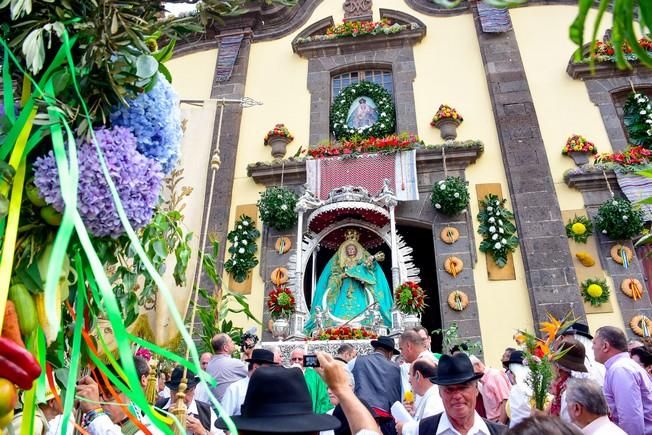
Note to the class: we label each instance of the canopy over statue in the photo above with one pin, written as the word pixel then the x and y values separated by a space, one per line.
pixel 351 281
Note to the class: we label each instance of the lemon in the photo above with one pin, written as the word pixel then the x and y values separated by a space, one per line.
pixel 594 290
pixel 578 228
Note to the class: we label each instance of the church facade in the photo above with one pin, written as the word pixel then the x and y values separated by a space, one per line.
pixel 509 73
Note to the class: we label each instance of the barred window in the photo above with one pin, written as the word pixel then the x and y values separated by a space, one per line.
pixel 380 77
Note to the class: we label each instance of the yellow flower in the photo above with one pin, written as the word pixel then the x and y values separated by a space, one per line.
pixel 408 397
pixel 578 228
pixel 594 290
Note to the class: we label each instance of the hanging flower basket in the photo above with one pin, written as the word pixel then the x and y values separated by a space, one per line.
pixel 618 219
pixel 277 208
pixel 450 196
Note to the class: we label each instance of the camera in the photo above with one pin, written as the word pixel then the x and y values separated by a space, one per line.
pixel 310 361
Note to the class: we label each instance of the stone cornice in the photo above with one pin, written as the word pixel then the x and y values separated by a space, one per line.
pixel 603 70
pixel 590 180
pixel 459 155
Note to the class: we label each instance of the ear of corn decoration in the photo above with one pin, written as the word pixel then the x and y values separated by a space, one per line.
pixel 585 258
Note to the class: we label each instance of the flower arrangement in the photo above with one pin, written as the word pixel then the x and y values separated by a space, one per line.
pixel 579 229
pixel 137 178
pixel 281 303
pixel 450 196
pixel 579 144
pixel 446 112
pixel 633 156
pixel 155 120
pixel 619 219
pixel 409 298
pixel 497 229
pixel 356 146
pixel 638 119
pixel 346 333
pixel 605 51
pixel 384 111
pixel 358 28
pixel 539 357
pixel 243 248
pixel 595 291
pixel 279 130
pixel 277 207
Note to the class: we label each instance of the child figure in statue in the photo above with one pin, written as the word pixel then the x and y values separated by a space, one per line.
pixel 351 281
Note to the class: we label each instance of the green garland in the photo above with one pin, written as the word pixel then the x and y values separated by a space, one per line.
pixel 618 219
pixel 497 229
pixel 637 113
pixel 579 229
pixel 340 110
pixel 450 196
pixel 243 248
pixel 595 300
pixel 277 208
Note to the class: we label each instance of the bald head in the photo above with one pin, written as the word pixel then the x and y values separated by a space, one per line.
pixel 411 345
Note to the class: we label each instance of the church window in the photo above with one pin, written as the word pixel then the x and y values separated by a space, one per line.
pixel 380 77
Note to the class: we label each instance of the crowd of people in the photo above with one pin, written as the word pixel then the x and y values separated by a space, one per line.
pixel 602 385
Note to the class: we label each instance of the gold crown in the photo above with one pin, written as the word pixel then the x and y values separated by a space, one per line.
pixel 352 235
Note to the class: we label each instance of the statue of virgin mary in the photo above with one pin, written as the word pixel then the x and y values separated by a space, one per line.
pixel 351 281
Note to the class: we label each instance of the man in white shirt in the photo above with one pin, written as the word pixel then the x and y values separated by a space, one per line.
pixel 587 408
pixel 428 401
pixel 413 347
pixel 235 394
pixel 458 387
pixel 201 391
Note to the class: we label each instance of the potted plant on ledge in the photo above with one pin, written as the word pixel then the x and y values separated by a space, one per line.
pixel 579 149
pixel 409 298
pixel 446 120
pixel 278 138
pixel 281 305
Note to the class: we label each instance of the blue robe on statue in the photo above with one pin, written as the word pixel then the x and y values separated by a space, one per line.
pixel 347 286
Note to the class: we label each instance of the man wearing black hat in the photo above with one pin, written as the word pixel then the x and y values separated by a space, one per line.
pixel 458 387
pixel 378 381
pixel 234 395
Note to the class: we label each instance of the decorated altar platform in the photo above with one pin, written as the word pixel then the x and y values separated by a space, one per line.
pixel 363 347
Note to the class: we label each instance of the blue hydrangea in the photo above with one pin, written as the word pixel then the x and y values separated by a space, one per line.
pixel 155 120
pixel 137 179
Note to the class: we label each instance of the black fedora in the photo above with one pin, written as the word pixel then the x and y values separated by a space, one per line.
pixel 386 343
pixel 261 356
pixel 278 401
pixel 578 329
pixel 175 379
pixel 455 370
pixel 516 357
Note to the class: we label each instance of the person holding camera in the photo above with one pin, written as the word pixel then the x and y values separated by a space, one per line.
pixel 318 389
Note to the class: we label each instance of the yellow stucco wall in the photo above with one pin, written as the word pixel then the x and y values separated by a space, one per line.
pixel 562 104
pixel 288 101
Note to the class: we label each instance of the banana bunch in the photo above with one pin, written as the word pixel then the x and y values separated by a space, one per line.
pixel 585 258
pixel 51 326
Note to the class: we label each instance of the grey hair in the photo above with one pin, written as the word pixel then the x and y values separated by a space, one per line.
pixel 219 342
pixel 587 393
pixel 614 336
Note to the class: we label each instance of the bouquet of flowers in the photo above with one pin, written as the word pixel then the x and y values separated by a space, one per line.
pixel 618 219
pixel 450 196
pixel 276 206
pixel 410 298
pixel 539 356
pixel 346 333
pixel 446 112
pixel 281 303
pixel 279 130
pixel 577 143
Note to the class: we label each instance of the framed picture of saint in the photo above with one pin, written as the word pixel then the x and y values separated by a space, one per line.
pixel 363 113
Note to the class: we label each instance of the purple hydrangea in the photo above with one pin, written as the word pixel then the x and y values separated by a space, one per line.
pixel 137 179
pixel 155 120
